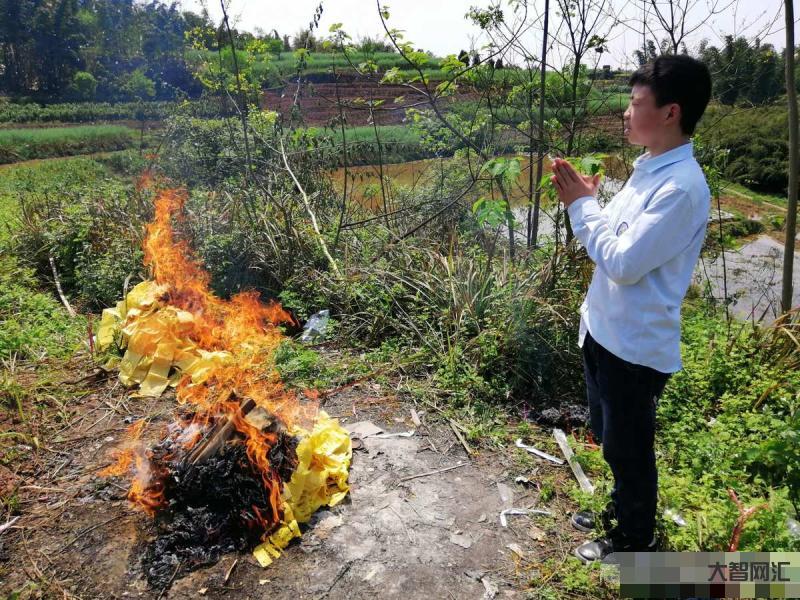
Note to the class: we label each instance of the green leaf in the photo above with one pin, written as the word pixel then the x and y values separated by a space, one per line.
pixel 392 75
pixel 490 212
pixel 507 169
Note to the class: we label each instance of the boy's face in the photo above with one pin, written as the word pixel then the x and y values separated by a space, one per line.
pixel 646 123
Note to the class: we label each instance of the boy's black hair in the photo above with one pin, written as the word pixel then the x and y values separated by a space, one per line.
pixel 681 79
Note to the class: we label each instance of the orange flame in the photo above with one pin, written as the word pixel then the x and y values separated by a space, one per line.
pixel 243 326
pixel 147 489
pixel 123 458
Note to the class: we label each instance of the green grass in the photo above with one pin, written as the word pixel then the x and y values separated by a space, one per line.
pixel 12 113
pixel 33 323
pixel 398 143
pixel 26 144
pixel 46 179
pixel 604 103
pixel 731 187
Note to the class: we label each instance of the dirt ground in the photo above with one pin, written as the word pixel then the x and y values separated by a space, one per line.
pixel 434 535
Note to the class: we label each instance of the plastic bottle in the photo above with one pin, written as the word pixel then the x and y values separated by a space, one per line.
pixel 315 327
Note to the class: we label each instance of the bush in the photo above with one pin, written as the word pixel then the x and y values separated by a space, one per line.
pixel 728 420
pixel 203 151
pixel 88 221
pixel 757 141
pixel 86 112
pixel 83 86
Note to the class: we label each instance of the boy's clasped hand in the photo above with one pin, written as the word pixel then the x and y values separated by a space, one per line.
pixel 570 184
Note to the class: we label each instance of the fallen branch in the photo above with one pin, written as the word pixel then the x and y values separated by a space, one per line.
pixel 60 291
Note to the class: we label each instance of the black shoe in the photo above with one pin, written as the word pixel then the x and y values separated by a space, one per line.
pixel 584 520
pixel 601 549
pixel 587 521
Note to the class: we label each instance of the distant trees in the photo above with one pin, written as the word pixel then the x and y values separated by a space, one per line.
pixel 67 49
pixel 646 55
pixel 305 39
pixel 741 70
pixel 92 49
pixel 744 71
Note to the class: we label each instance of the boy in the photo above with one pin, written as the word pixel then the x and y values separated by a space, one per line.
pixel 645 243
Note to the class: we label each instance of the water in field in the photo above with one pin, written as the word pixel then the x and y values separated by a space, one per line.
pixel 363 182
pixel 363 188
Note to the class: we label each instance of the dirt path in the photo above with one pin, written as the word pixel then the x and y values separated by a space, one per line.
pixel 433 536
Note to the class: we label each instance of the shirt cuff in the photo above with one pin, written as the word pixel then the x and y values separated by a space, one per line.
pixel 583 206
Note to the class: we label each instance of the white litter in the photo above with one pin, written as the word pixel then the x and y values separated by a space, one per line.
pixel 521 511
pixel 394 435
pixel 676 517
pixel 583 480
pixel 539 453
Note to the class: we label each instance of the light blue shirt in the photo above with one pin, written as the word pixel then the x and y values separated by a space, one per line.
pixel 645 244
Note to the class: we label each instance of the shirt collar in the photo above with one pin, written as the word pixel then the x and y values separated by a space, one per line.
pixel 650 164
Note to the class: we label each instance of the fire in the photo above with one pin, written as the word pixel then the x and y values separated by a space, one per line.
pixel 147 488
pixel 124 456
pixel 244 328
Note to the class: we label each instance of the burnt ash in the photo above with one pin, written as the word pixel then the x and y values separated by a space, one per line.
pixel 211 509
pixel 566 415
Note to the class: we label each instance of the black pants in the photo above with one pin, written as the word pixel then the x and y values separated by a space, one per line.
pixel 622 409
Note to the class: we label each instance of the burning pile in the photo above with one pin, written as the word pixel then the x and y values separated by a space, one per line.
pixel 246 460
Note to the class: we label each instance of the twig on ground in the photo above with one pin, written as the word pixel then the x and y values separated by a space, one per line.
pixel 171 579
pixel 410 477
pixel 460 437
pixel 88 529
pixel 342 572
pixel 8 524
pixel 230 570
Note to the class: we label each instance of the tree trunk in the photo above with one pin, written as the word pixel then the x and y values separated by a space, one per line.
pixel 791 214
pixel 540 154
pixel 528 227
pixel 571 134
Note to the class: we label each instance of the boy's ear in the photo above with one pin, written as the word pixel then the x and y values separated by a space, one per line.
pixel 674 112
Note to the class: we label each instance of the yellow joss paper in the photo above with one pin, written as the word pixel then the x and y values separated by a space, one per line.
pixel 320 479
pixel 153 335
pixel 145 295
